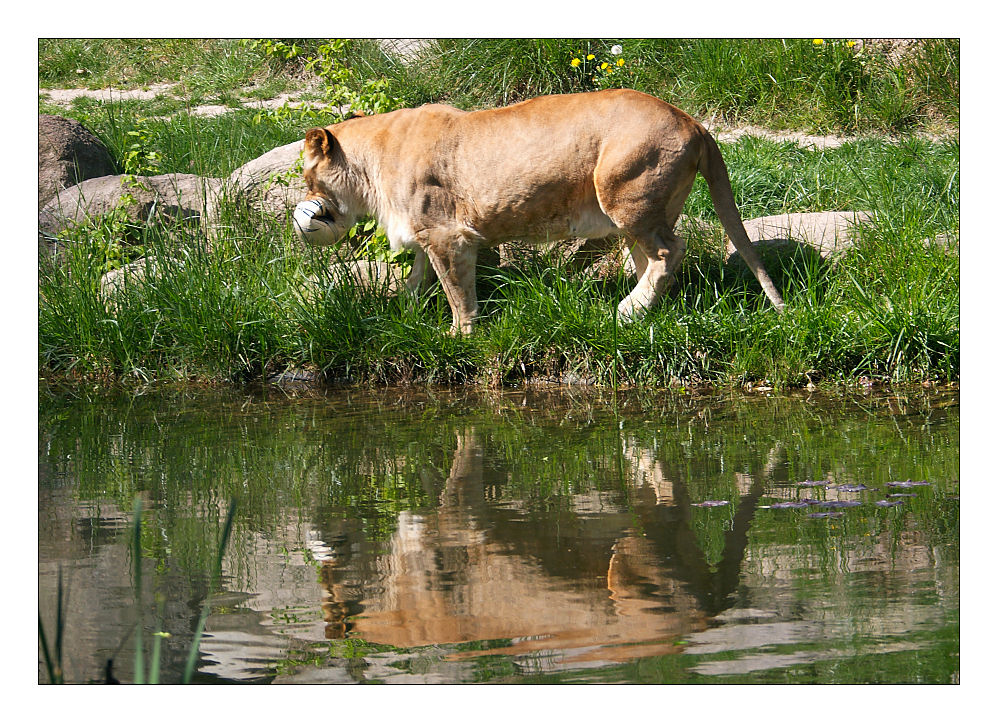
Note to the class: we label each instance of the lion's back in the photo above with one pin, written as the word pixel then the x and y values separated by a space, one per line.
pixel 529 165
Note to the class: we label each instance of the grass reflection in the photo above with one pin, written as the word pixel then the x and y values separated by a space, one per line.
pixel 483 536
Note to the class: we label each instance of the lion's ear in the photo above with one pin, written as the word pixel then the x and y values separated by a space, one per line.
pixel 319 141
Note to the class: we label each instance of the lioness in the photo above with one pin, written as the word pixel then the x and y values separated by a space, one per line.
pixel 445 182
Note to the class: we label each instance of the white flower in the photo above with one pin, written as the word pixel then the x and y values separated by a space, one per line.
pixel 616 50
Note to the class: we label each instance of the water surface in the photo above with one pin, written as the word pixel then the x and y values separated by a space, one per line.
pixel 433 536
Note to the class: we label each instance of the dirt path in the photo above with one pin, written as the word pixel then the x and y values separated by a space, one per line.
pixel 804 140
pixel 64 98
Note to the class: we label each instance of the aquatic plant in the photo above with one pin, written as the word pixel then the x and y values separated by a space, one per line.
pixel 216 574
pixel 53 656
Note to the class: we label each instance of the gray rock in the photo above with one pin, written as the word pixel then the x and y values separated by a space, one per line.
pixel 114 283
pixel 948 243
pixel 407 50
pixel 371 274
pixel 797 239
pixel 573 254
pixel 827 232
pixel 67 154
pixel 294 377
pixel 362 272
pixel 173 195
pixel 271 184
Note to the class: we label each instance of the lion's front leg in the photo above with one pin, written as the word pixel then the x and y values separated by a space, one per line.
pixel 421 275
pixel 453 257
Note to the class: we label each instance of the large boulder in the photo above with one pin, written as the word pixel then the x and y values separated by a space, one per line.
pixel 271 184
pixel 274 181
pixel 797 240
pixel 143 198
pixel 67 154
pixel 827 232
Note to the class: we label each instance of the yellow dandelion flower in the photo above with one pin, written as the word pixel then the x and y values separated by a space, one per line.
pixel 817 41
pixel 590 57
pixel 609 71
pixel 850 43
pixel 604 66
pixel 621 62
pixel 575 62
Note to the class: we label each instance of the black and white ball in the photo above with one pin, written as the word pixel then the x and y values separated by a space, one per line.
pixel 312 225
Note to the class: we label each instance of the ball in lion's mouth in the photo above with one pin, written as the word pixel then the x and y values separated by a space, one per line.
pixel 310 223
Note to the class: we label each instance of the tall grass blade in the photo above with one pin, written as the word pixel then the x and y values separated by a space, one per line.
pixel 59 623
pixel 157 640
pixel 45 649
pixel 216 574
pixel 616 352
pixel 50 667
pixel 139 674
pixel 53 660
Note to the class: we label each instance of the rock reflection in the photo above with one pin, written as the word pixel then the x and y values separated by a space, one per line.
pixel 624 568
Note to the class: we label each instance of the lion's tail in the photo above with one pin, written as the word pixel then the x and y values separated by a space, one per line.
pixel 712 168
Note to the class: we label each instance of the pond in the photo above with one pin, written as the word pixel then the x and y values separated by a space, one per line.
pixel 435 536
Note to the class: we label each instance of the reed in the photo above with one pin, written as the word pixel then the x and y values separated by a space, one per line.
pixel 52 656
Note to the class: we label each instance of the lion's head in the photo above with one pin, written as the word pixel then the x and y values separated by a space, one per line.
pixel 329 208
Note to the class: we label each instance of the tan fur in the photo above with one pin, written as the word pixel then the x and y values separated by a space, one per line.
pixel 445 183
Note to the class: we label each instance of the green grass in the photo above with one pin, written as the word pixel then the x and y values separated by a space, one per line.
pixel 235 309
pixel 778 83
pixel 207 70
pixel 889 309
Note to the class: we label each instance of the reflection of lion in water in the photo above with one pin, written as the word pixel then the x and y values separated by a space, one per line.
pixel 465 571
pixel 445 183
pixel 469 568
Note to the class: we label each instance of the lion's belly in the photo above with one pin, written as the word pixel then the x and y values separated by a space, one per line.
pixel 535 213
pixel 587 223
pixel 544 219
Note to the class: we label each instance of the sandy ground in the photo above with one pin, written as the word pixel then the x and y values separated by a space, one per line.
pixel 65 96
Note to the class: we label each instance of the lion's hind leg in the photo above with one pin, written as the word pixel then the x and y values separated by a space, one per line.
pixel 664 251
pixel 643 191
